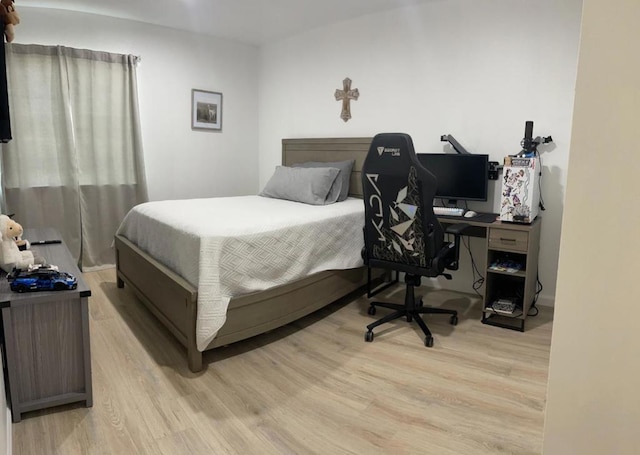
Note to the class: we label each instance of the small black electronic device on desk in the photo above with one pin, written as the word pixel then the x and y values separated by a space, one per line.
pixel 26 246
pixel 45 242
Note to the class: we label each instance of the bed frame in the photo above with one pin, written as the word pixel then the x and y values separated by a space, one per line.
pixel 174 301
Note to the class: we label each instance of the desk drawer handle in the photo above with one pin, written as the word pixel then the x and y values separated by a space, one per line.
pixel 502 239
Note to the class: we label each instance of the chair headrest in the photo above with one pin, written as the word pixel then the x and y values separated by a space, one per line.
pixel 390 152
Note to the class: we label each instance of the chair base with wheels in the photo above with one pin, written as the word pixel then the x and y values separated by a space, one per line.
pixel 411 310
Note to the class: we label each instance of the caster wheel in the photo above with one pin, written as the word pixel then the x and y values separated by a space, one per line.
pixel 428 342
pixel 420 304
pixel 409 318
pixel 368 336
pixel 371 310
pixel 454 320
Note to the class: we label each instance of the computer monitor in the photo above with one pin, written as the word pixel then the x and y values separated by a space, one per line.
pixel 460 177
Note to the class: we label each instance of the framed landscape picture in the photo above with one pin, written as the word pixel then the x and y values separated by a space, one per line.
pixel 206 110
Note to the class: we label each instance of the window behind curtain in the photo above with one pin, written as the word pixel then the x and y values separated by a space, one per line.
pixel 76 161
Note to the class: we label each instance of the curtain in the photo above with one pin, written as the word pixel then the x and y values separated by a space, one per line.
pixel 75 162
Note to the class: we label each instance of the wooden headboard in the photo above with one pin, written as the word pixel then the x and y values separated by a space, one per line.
pixel 329 149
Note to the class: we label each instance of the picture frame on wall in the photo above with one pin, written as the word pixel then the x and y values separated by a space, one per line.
pixel 206 110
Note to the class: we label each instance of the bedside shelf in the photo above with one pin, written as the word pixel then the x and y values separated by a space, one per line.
pixel 514 245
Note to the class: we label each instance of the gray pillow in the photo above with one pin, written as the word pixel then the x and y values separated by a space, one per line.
pixel 343 180
pixel 308 185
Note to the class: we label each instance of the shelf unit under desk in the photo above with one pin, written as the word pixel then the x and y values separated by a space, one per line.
pixel 513 241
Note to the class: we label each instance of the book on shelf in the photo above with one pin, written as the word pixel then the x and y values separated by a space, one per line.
pixel 504 306
pixel 506 266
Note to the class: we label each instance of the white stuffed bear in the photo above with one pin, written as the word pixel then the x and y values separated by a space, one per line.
pixel 10 254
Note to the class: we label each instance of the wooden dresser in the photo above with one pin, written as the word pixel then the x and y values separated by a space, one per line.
pixel 46 337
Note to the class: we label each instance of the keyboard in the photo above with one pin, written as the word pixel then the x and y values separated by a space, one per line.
pixel 448 211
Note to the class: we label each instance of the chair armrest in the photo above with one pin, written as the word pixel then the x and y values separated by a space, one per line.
pixel 456 229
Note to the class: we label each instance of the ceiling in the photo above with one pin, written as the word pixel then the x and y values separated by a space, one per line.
pixel 250 21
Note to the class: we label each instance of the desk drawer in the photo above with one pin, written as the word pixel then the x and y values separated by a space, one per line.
pixel 508 239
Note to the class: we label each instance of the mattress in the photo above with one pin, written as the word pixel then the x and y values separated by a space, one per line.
pixel 231 246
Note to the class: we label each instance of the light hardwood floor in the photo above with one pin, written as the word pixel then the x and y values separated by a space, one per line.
pixel 313 387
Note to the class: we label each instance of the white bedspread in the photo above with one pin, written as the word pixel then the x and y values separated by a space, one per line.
pixel 231 246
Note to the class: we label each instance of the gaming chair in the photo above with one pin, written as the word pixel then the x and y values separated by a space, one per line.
pixel 401 232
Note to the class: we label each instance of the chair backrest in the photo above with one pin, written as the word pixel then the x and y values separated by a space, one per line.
pixel 401 231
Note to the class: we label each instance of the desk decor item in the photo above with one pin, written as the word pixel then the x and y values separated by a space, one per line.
pixel 521 187
pixel 41 277
pixel 10 19
pixel 11 242
pixel 346 95
pixel 206 110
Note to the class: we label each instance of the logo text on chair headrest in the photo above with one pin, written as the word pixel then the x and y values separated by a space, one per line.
pixel 393 150
pixel 375 203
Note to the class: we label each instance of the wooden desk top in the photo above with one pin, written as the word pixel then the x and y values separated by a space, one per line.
pixel 495 224
pixel 56 254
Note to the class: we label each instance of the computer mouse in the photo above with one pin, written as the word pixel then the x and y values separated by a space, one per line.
pixel 470 214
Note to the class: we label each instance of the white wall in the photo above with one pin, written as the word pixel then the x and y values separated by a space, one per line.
pixel 593 404
pixel 476 70
pixel 180 163
pixel 5 418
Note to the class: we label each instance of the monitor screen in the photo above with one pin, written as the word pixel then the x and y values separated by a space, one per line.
pixel 464 177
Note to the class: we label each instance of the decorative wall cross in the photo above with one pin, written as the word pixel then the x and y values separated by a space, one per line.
pixel 346 95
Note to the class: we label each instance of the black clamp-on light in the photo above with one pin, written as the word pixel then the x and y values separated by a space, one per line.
pixel 529 144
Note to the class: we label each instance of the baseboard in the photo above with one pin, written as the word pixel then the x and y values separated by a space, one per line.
pixel 545 301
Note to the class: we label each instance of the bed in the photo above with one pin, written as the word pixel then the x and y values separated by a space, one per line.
pixel 174 300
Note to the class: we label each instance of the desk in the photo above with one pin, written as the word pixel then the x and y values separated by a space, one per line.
pixel 46 337
pixel 506 241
